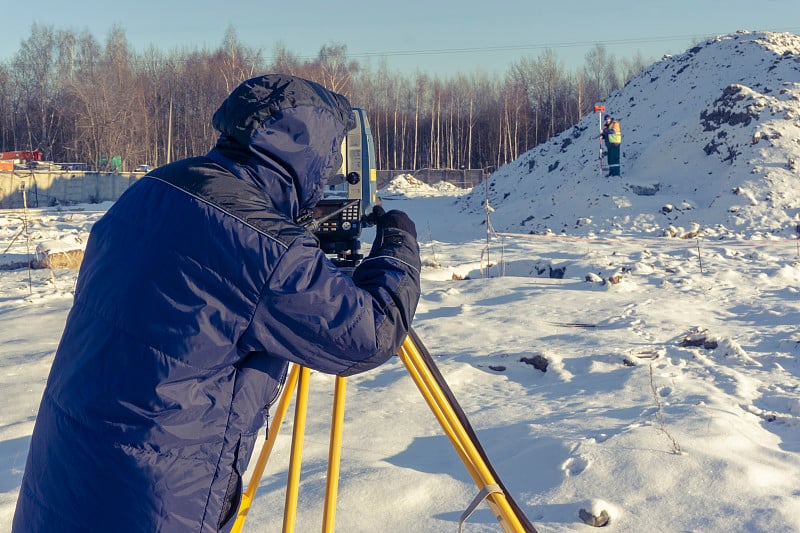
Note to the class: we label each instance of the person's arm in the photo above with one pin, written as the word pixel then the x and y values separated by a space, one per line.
pixel 391 275
pixel 314 315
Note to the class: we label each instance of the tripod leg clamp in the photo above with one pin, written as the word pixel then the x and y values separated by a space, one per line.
pixel 493 488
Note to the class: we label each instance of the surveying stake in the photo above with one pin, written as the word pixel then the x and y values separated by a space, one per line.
pixel 445 408
pixel 600 109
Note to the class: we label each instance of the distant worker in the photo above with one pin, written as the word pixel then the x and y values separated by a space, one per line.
pixel 613 138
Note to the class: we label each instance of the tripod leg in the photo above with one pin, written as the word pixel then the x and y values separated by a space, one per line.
pixel 334 455
pixel 293 484
pixel 266 450
pixel 445 407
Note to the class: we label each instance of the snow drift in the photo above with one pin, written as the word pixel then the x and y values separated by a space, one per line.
pixel 710 140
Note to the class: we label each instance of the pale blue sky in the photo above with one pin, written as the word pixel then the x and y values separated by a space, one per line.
pixel 441 37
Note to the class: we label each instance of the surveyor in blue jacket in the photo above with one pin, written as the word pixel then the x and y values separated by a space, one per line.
pixel 197 289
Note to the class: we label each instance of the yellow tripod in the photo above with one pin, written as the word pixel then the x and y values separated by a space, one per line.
pixel 445 408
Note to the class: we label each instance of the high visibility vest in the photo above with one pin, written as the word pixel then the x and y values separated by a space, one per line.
pixel 614 133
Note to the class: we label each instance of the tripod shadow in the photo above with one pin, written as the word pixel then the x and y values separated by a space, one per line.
pixel 526 464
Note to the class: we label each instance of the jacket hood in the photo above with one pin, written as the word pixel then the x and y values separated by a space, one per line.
pixel 284 133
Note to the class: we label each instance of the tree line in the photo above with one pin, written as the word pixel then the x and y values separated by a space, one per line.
pixel 79 100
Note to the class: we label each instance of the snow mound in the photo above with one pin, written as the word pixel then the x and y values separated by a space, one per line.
pixel 708 142
pixel 407 186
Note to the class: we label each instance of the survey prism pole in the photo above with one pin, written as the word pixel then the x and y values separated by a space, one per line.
pixel 599 109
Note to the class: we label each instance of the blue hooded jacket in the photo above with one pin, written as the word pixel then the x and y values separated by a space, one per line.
pixel 196 291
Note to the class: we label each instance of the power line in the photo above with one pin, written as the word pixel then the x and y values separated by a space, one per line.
pixel 535 46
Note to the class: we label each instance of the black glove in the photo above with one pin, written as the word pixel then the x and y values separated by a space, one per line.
pixel 393 219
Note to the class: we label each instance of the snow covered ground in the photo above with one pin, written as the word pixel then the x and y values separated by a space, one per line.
pixel 671 395
pixel 670 398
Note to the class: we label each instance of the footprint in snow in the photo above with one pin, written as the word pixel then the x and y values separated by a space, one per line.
pixel 575 466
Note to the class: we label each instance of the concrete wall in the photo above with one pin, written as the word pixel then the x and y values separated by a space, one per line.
pixel 43 189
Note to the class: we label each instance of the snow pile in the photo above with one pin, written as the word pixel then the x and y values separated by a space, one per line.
pixel 709 140
pixel 407 186
pixel 35 236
